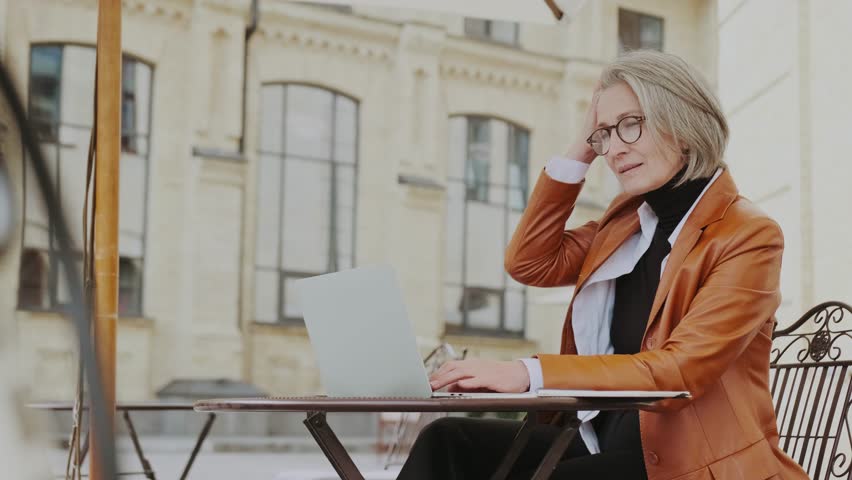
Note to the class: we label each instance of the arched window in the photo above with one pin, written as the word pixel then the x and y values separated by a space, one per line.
pixel 486 193
pixel 306 189
pixel 61 106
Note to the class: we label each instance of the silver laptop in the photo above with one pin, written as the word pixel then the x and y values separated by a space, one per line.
pixel 363 339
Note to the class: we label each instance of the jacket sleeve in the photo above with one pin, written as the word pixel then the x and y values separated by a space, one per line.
pixel 739 296
pixel 542 253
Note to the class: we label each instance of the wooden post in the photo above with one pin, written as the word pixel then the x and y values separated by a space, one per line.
pixel 557 12
pixel 106 215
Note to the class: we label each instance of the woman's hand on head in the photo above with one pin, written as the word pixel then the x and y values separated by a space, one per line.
pixel 479 375
pixel 581 150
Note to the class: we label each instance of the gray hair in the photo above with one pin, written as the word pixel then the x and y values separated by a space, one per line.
pixel 678 102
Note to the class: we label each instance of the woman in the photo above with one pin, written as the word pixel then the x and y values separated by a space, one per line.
pixel 676 289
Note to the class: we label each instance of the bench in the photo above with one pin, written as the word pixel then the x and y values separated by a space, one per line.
pixel 810 384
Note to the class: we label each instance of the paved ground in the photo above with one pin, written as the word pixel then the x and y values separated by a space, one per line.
pixel 168 456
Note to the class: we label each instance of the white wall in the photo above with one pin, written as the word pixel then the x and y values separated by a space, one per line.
pixel 830 101
pixel 781 81
pixel 759 87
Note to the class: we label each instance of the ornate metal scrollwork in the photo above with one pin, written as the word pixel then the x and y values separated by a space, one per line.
pixel 811 363
pixel 819 345
pixel 815 337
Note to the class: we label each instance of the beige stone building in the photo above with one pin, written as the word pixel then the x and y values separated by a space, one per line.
pixel 376 136
pixel 783 90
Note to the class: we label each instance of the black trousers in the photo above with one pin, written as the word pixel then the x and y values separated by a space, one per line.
pixel 455 448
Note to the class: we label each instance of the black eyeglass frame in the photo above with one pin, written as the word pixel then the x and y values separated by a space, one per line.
pixel 640 119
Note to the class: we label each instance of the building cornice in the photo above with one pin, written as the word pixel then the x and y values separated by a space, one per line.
pixel 313 28
pixel 172 11
pixel 501 66
pixel 310 39
pixel 175 10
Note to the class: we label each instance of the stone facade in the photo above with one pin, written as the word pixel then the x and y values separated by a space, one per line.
pixel 409 72
pixel 782 92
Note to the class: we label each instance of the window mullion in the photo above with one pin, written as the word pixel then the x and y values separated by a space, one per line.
pixel 279 305
pixel 464 319
pixel 51 230
pixel 507 194
pixel 332 234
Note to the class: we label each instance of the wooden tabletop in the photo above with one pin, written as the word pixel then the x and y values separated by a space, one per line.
pixel 152 405
pixel 360 404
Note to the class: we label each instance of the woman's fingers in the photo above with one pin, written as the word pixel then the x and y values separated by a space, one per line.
pixel 592 113
pixel 456 365
pixel 474 383
pixel 439 381
pixel 445 369
pixel 453 371
pixel 483 375
pixel 580 149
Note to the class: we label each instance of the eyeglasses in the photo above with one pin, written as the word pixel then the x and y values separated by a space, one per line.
pixel 628 129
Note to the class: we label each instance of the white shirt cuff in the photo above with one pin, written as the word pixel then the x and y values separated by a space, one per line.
pixel 566 170
pixel 534 369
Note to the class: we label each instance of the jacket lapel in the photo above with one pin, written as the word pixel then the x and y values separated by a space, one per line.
pixel 619 222
pixel 709 209
pixel 614 235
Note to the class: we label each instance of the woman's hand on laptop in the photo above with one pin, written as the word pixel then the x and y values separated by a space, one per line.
pixel 477 375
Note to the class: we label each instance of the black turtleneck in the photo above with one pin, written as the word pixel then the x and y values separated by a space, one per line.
pixel 634 291
pixel 634 296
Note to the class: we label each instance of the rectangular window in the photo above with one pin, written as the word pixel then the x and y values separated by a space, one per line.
pixel 128 106
pixel 45 75
pixel 483 208
pixel 129 287
pixel 493 30
pixel 519 146
pixel 61 106
pixel 639 31
pixel 33 279
pixel 478 158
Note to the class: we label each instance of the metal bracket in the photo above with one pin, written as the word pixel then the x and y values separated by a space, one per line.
pixel 331 447
pixel 557 449
pixel 518 444
pixel 201 436
pixel 146 466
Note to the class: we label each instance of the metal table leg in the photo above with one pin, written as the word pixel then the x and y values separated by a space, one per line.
pixel 557 449
pixel 201 436
pixel 85 450
pixel 331 447
pixel 518 444
pixel 146 466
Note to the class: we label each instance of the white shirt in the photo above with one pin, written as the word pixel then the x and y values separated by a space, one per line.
pixel 593 304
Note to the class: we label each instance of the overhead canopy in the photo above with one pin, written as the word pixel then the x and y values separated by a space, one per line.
pixel 538 11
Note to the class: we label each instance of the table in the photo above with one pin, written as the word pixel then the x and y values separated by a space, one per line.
pixel 316 408
pixel 125 408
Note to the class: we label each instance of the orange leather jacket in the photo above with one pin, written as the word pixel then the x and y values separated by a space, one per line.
pixel 709 332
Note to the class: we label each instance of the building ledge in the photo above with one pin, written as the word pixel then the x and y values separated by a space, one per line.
pixel 419 181
pixel 218 154
pixel 279 329
pixel 496 341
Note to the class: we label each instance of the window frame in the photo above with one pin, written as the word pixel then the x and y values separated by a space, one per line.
pixel 464 328
pixel 283 274
pixel 489 35
pixel 50 253
pixel 622 12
